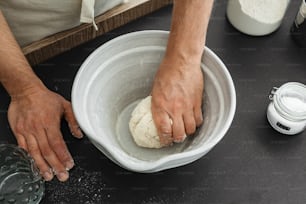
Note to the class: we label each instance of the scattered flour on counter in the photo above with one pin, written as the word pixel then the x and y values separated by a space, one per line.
pixel 81 187
pixel 266 11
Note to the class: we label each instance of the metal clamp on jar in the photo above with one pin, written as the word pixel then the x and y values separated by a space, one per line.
pixel 287 110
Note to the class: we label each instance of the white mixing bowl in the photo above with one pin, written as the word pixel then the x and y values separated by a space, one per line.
pixel 117 75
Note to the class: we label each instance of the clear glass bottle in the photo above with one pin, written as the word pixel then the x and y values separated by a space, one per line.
pixel 20 181
pixel 298 28
pixel 287 109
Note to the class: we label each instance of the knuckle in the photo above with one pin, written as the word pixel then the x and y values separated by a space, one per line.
pixel 56 143
pixel 63 154
pixel 165 129
pixel 178 105
pixel 19 127
pixel 43 168
pixel 34 151
pixel 163 124
pixel 60 149
pixel 46 152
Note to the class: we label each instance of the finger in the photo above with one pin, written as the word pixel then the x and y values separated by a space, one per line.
pixel 49 155
pixel 21 141
pixel 18 129
pixel 189 122
pixel 198 115
pixel 58 145
pixel 164 127
pixel 178 129
pixel 34 151
pixel 72 122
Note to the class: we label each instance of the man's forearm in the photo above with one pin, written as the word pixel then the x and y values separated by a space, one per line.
pixel 16 74
pixel 188 29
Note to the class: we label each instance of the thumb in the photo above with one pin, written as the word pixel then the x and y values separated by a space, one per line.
pixel 72 122
pixel 164 127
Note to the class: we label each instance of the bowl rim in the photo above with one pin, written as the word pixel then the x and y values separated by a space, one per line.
pixel 159 164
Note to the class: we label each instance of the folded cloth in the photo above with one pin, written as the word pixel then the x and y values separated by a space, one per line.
pixel 32 20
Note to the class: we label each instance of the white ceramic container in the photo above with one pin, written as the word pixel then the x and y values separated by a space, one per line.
pixel 248 24
pixel 117 75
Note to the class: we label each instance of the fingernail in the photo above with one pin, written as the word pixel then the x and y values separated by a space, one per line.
pixel 63 176
pixel 80 133
pixel 180 140
pixel 48 176
pixel 69 165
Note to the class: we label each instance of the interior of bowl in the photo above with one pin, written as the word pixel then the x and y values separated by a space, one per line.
pixel 115 78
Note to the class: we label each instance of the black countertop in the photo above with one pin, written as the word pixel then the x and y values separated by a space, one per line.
pixel 252 164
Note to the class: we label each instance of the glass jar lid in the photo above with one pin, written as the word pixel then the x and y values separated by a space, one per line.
pixel 290 100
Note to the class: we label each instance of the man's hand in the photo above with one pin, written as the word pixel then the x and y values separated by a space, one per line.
pixel 178 85
pixel 177 100
pixel 35 120
pixel 35 112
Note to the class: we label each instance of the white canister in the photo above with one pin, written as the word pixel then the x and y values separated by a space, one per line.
pixel 287 110
pixel 256 18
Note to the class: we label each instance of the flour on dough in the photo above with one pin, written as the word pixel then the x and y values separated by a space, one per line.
pixel 142 125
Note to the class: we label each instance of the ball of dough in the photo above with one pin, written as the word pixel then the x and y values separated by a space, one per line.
pixel 142 125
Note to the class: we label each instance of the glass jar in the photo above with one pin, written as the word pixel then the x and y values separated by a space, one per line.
pixel 20 180
pixel 287 110
pixel 298 28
